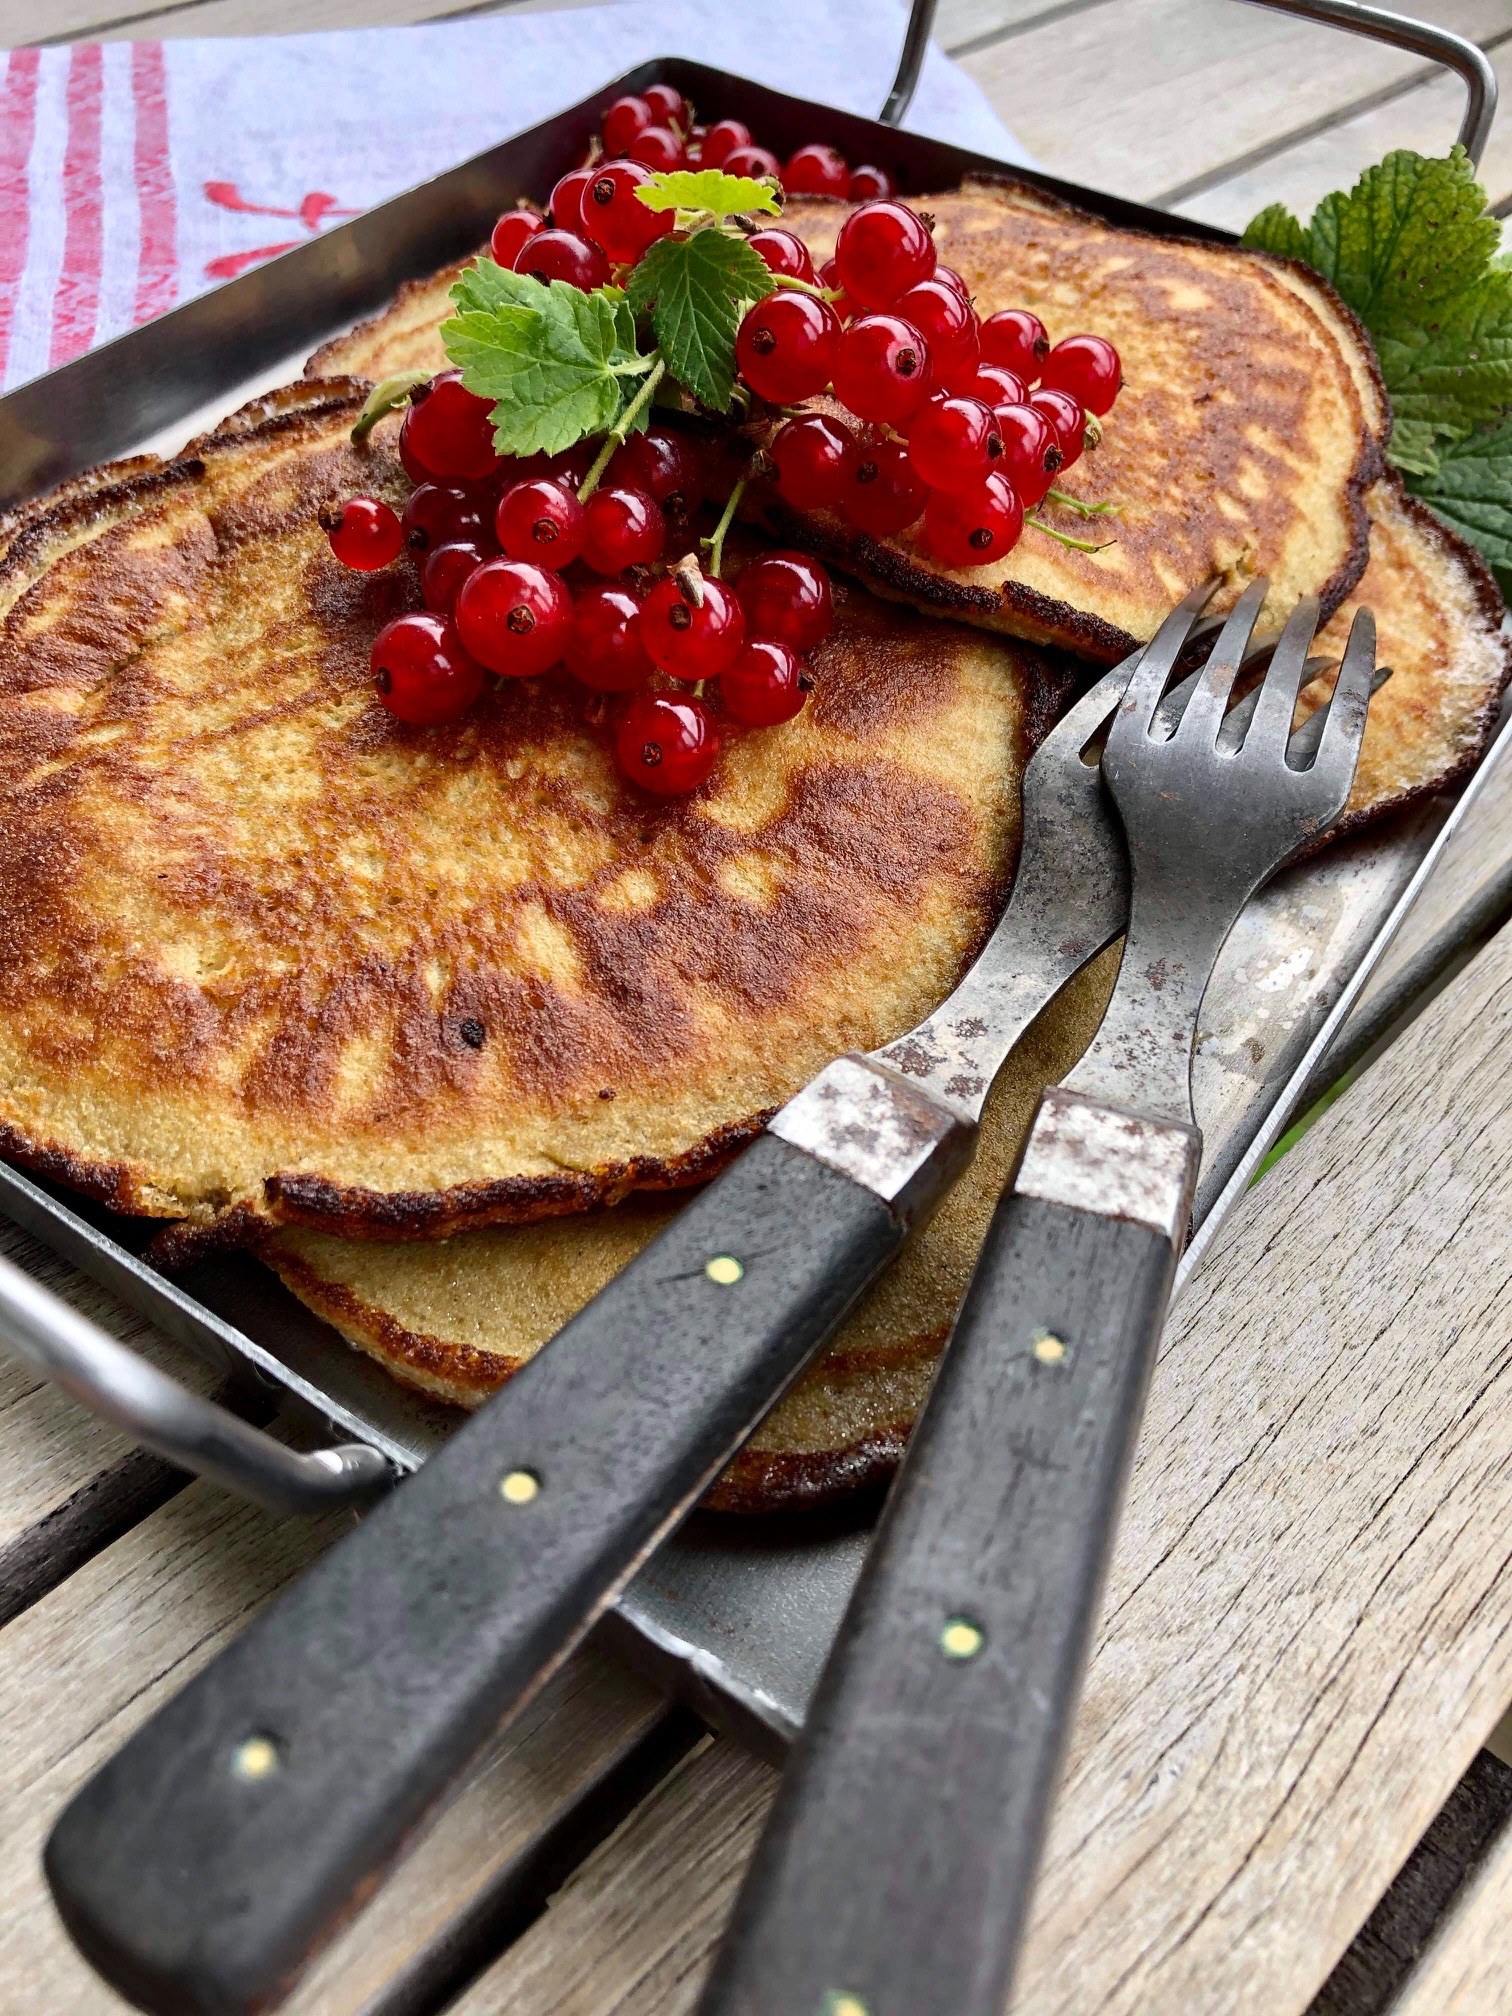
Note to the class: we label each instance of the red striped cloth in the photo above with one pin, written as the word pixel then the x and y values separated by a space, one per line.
pixel 134 175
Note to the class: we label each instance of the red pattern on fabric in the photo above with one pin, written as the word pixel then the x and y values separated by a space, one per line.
pixel 157 259
pixel 18 122
pixel 313 210
pixel 78 302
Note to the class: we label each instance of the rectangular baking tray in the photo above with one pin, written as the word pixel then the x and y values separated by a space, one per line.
pixel 733 1615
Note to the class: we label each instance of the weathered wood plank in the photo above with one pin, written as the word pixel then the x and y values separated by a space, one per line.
pixel 1464 1970
pixel 87 1664
pixel 1308 1629
pixel 1426 118
pixel 1144 96
pixel 964 25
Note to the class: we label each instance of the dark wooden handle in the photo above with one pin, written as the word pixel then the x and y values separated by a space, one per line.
pixel 207 1862
pixel 895 1871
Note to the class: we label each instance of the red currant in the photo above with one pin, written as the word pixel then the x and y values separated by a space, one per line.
pixel 787 596
pixel 514 617
pixel 614 216
pixel 757 162
pixel 445 570
pixel 364 533
pixel 995 385
pixel 884 494
pixel 1088 368
pixel 414 468
pixel 449 427
pixel 422 670
pixel 1067 418
pixel 884 248
pixel 666 743
pixel 1031 452
pixel 439 513
pixel 766 684
pixel 563 255
pixel 953 443
pixel 541 521
pixel 829 278
pixel 604 648
pixel 816 170
pixel 975 528
pixel 666 466
pixel 668 106
pixel 867 182
pixel 625 118
pixel 566 205
pixel 622 527
pixel 948 324
pixel 784 252
pixel 786 346
pixel 951 278
pixel 814 457
pixel 1017 339
pixel 688 642
pixel 881 369
pixel 658 147
pixel 512 232
pixel 721 140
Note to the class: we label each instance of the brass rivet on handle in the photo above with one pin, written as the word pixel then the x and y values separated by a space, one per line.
pixel 254 1759
pixel 724 1270
pixel 518 1487
pixel 961 1638
pixel 1051 1350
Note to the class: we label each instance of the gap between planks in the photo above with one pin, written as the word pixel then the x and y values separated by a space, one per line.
pixel 1308 1628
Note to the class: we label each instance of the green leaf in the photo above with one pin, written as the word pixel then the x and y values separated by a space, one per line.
pixel 696 289
pixel 1276 230
pixel 1411 447
pixel 553 359
pixel 1453 370
pixel 708 189
pixel 1472 492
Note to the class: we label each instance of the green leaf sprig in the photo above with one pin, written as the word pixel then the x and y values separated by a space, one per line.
pixel 1414 254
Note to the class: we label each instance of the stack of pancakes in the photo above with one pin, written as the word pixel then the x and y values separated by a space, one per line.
pixel 442 1020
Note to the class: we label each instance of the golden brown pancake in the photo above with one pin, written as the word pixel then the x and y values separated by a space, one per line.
pixel 456 1318
pixel 273 955
pixel 1247 432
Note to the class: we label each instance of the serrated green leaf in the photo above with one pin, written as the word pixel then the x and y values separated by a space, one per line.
pixel 552 358
pixel 1472 492
pixel 1276 230
pixel 1454 369
pixel 708 189
pixel 696 289
pixel 1412 448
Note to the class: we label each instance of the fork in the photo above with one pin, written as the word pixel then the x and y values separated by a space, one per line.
pixel 897 1865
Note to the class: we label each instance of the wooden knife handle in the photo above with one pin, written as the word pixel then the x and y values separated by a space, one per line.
pixel 896 1868
pixel 203 1867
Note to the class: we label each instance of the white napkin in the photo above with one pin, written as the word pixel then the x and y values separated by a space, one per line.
pixel 135 175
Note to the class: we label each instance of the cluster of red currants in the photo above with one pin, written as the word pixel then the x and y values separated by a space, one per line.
pixel 494 539
pixel 988 411
pixel 658 128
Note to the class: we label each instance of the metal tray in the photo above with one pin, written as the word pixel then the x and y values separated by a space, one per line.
pixel 734 1615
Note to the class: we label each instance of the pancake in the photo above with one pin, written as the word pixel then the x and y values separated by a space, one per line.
pixel 1247 432
pixel 457 1318
pixel 276 957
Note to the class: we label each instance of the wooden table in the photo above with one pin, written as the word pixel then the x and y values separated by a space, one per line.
pixel 1278 1798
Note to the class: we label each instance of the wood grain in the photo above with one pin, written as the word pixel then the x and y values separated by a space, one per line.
pixel 1308 1630
pixel 87 1664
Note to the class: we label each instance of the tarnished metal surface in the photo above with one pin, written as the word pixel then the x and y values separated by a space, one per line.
pixel 882 1132
pixel 1110 1160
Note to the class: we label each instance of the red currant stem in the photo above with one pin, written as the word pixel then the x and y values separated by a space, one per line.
pixel 615 438
pixel 1069 503
pixel 385 398
pixel 805 286
pixel 698 689
pixel 715 540
pixel 688 578
pixel 1080 545
pixel 1092 431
